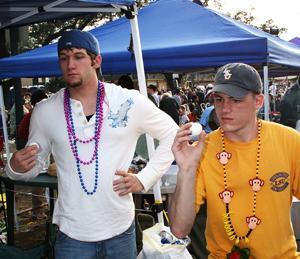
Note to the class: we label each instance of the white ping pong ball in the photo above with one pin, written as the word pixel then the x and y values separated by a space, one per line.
pixel 196 129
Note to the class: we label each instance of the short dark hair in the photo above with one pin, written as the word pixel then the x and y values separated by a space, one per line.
pixel 126 82
pixel 176 91
pixel 37 96
pixel 98 70
pixel 153 87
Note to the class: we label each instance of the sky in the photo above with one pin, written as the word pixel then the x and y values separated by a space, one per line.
pixel 284 13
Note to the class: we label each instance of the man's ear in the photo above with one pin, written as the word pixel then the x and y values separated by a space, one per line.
pixel 259 101
pixel 97 61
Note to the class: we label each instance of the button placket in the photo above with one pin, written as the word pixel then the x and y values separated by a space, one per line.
pixel 79 117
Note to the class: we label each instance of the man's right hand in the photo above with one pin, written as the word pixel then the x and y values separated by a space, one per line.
pixel 23 160
pixel 182 207
pixel 187 155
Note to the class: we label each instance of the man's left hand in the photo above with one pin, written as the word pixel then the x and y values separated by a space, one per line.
pixel 127 183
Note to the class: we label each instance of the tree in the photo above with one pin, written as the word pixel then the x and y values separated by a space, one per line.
pixel 247 17
pixel 243 16
pixel 42 34
pixel 206 3
pixel 270 27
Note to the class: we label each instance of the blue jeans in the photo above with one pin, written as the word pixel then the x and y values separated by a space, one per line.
pixel 122 246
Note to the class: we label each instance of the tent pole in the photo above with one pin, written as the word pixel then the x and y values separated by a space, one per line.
pixel 7 150
pixel 266 93
pixel 3 115
pixel 143 89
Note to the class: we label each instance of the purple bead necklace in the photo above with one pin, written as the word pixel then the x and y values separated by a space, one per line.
pixel 74 140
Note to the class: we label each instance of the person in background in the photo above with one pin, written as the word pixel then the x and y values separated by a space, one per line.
pixel 91 128
pixel 169 105
pixel 183 118
pixel 126 82
pixel 23 132
pixel 247 171
pixel 298 125
pixel 290 106
pixel 272 95
pixel 194 113
pixel 153 91
pixel 177 96
pixel 12 122
pixel 27 107
pixel 200 92
pixel 208 89
pixel 209 119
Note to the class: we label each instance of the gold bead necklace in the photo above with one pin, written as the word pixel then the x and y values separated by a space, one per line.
pixel 226 195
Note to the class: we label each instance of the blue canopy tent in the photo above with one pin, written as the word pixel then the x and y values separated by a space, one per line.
pixel 295 40
pixel 176 35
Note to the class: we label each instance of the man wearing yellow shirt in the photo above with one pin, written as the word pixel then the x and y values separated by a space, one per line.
pixel 247 172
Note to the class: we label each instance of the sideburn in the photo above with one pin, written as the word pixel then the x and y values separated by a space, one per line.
pixel 93 62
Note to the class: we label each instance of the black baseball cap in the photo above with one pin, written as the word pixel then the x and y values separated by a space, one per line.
pixel 237 80
pixel 79 39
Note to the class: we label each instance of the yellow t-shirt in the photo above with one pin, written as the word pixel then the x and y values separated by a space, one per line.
pixel 279 169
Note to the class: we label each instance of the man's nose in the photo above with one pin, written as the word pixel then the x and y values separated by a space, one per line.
pixel 71 63
pixel 226 106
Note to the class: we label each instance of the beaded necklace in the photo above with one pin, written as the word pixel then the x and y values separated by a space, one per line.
pixel 226 195
pixel 75 141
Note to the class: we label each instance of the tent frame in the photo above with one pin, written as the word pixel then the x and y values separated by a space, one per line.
pixel 52 7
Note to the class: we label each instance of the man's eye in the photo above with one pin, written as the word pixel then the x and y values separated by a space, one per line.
pixel 79 57
pixel 237 100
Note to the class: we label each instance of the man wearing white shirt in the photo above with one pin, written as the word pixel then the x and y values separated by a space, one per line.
pixel 91 128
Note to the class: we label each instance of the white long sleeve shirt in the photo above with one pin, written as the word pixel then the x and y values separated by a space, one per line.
pixel 127 115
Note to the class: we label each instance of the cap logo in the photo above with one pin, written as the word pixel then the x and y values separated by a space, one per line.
pixel 227 74
pixel 69 43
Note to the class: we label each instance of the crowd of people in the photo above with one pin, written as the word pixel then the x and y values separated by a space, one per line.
pixel 194 104
pixel 243 168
